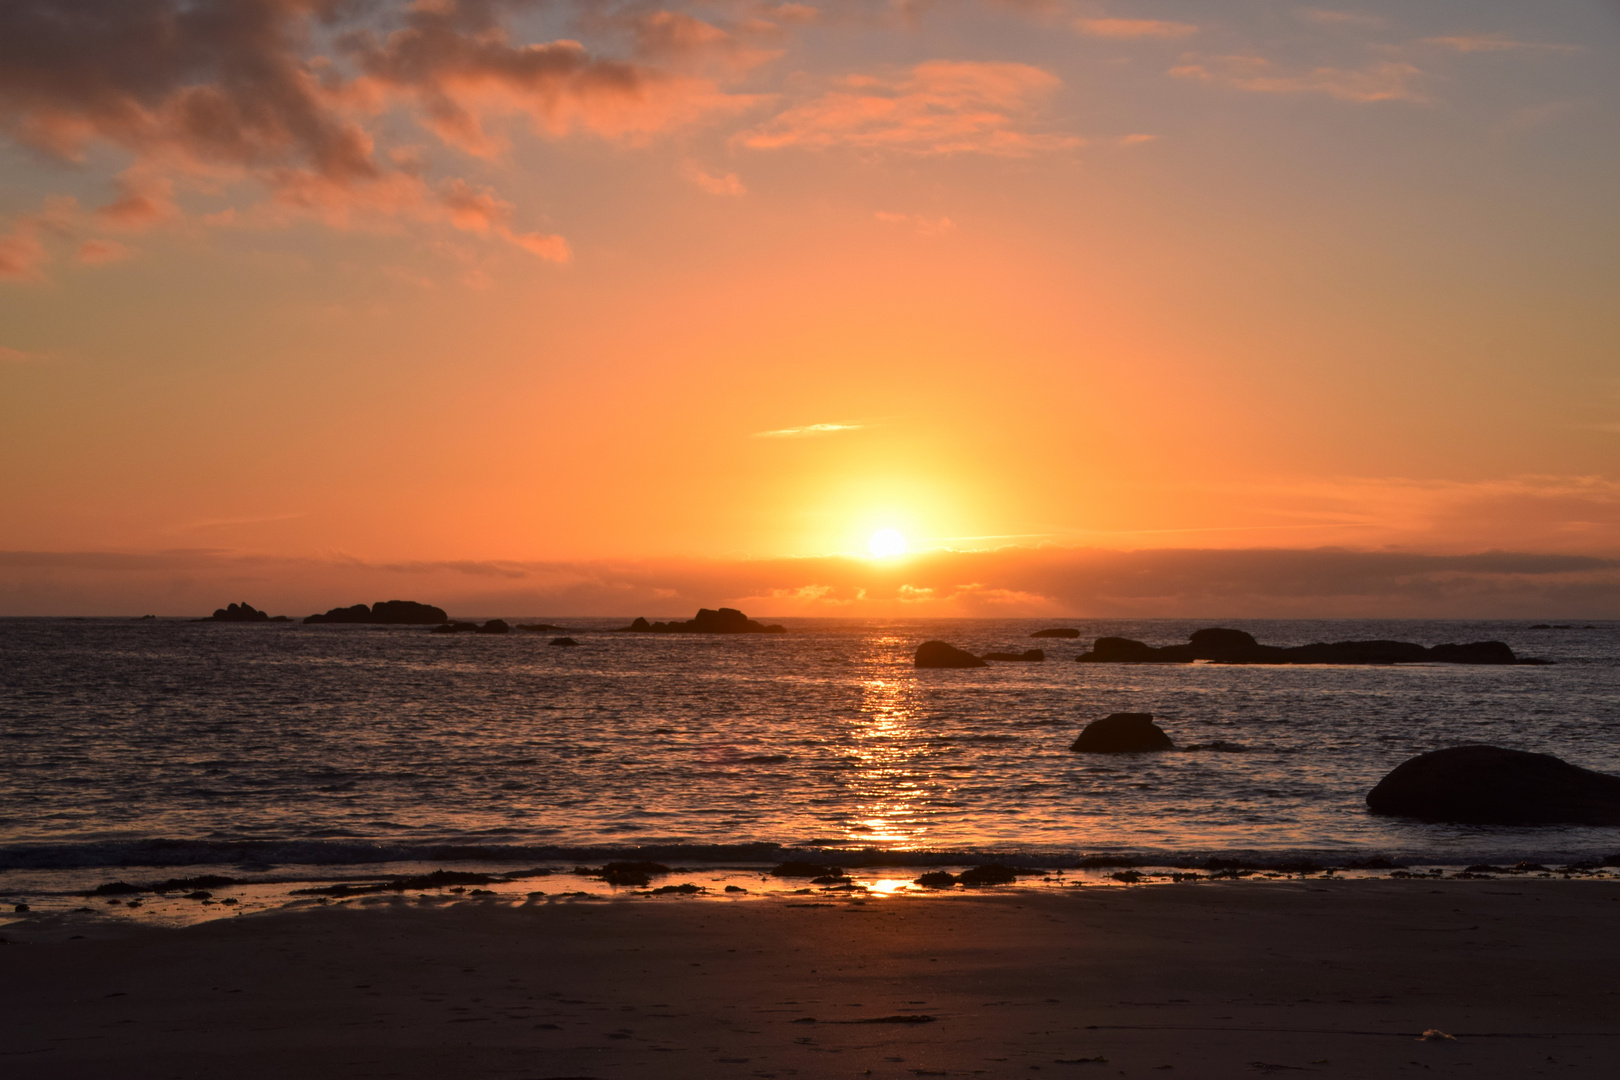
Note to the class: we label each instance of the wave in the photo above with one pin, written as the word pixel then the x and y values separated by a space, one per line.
pixel 268 854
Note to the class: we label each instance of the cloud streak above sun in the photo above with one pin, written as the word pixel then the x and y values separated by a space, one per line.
pixel 807 431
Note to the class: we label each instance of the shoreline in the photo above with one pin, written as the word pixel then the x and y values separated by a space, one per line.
pixel 189 895
pixel 1227 979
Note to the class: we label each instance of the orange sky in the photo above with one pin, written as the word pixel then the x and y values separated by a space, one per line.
pixel 592 285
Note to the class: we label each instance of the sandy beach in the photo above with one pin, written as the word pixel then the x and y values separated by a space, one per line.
pixel 1210 980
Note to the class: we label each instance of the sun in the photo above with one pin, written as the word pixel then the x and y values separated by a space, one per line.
pixel 886 542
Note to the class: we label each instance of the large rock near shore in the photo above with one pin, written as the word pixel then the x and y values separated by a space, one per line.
pixel 1489 785
pixel 937 654
pixel 1122 733
pixel 1224 646
pixel 708 621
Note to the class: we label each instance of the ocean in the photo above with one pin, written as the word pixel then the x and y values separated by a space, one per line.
pixel 179 744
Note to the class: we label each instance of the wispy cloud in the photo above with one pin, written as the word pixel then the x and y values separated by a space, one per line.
pixel 1487 43
pixel 807 431
pixel 96 252
pixel 1134 28
pixel 939 107
pixel 1331 17
pixel 1386 81
pixel 14 356
pixel 21 252
pixel 724 184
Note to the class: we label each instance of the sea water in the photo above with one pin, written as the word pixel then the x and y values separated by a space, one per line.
pixel 170 743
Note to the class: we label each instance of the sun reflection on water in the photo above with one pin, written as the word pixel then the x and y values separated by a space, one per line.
pixel 891 793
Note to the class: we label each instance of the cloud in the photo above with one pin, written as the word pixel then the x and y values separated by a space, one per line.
pixel 1387 81
pixel 480 210
pixel 938 107
pixel 1340 18
pixel 21 253
pixel 459 73
pixel 1045 581
pixel 143 201
pixel 1134 28
pixel 96 252
pixel 792 14
pixel 807 431
pixel 1483 43
pixel 14 356
pixel 923 226
pixel 729 184
pixel 295 97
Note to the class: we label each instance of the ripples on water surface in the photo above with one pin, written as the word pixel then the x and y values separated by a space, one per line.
pixel 332 742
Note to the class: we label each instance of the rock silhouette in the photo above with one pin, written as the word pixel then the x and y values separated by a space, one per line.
pixel 1490 785
pixel 990 874
pixel 1238 647
pixel 1057 631
pixel 1122 733
pixel 937 654
pixel 564 642
pixel 494 626
pixel 243 612
pixel 1032 656
pixel 385 613
pixel 708 621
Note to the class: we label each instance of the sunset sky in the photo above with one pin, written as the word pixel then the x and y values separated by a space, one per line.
pixel 622 308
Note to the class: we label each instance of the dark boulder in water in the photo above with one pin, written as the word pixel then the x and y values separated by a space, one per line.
pixel 1030 656
pixel 937 654
pixel 495 626
pixel 563 643
pixel 936 879
pixel 1057 631
pixel 385 613
pixel 1122 733
pixel 1225 646
pixel 456 628
pixel 243 612
pixel 1490 785
pixel 708 621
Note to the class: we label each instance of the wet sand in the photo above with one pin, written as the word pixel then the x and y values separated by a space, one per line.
pixel 1218 979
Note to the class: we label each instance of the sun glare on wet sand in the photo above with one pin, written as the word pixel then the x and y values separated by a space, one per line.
pixel 887 542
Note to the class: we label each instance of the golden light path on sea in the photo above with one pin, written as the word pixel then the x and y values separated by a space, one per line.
pixel 889 792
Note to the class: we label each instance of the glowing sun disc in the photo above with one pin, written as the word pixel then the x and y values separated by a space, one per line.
pixel 886 542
